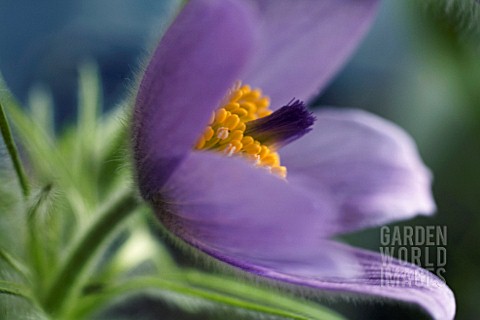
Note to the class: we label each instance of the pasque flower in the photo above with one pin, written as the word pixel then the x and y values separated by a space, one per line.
pixel 253 179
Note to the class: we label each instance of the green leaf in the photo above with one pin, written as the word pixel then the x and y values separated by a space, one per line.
pixel 40 103
pixel 16 302
pixel 174 289
pixel 85 158
pixel 228 286
pixel 140 248
pixel 14 263
pixel 89 101
pixel 14 289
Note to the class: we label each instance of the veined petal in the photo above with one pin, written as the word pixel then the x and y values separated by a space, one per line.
pixel 305 43
pixel 199 58
pixel 365 273
pixel 230 205
pixel 369 166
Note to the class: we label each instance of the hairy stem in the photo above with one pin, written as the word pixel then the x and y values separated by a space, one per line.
pixel 74 268
pixel 13 152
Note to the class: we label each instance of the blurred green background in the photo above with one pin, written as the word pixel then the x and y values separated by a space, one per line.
pixel 419 67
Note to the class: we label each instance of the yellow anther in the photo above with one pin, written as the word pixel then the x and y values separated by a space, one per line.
pixel 263 103
pixel 221 115
pixel 237 94
pixel 226 130
pixel 237 135
pixel 241 112
pixel 241 126
pixel 232 106
pixel 252 95
pixel 245 89
pixel 233 135
pixel 264 152
pixel 249 106
pixel 237 144
pixel 200 143
pixel 270 160
pixel 232 121
pixel 208 134
pixel 247 140
pixel 264 113
pixel 253 148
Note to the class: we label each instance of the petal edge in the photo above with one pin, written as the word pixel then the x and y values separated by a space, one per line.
pixel 199 58
pixel 369 165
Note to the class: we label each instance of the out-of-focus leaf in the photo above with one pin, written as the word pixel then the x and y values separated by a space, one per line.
pixel 266 297
pixel 85 158
pixel 13 289
pixel 14 263
pixel 465 13
pixel 40 103
pixel 138 249
pixel 176 291
pixel 15 306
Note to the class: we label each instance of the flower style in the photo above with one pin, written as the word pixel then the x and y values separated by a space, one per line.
pixel 203 174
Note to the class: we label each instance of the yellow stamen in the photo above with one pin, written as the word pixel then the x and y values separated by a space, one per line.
pixel 226 130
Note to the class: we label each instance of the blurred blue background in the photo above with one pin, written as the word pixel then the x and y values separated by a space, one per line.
pixel 45 44
pixel 419 66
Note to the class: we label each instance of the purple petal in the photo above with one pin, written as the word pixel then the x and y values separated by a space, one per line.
pixel 264 226
pixel 305 43
pixel 229 203
pixel 200 57
pixel 370 167
pixel 364 273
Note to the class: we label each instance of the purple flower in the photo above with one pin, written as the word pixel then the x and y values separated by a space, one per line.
pixel 216 182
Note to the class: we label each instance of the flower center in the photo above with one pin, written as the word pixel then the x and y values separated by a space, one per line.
pixel 245 126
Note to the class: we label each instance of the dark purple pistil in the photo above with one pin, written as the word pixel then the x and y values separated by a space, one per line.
pixel 283 126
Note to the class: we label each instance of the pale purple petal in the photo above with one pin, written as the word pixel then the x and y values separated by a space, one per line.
pixel 368 165
pixel 305 43
pixel 200 57
pixel 365 273
pixel 225 199
pixel 229 204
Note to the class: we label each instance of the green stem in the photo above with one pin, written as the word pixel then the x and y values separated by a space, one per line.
pixel 75 266
pixel 12 150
